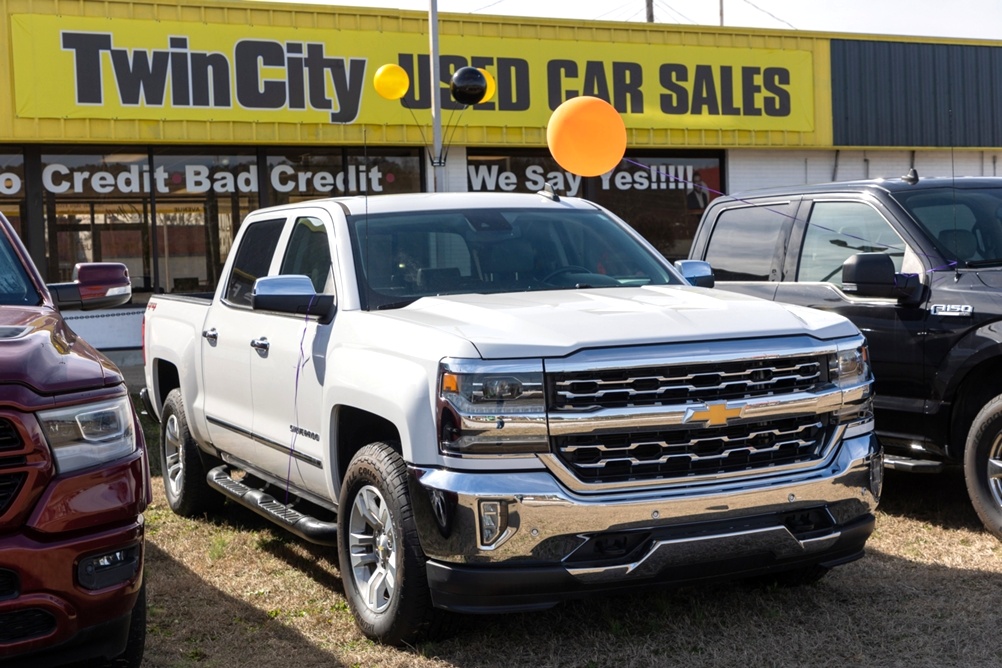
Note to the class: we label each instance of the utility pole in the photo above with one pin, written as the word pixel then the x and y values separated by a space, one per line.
pixel 721 13
pixel 437 163
pixel 650 11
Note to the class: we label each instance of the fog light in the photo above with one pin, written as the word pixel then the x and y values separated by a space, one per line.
pixel 493 521
pixel 877 476
pixel 108 569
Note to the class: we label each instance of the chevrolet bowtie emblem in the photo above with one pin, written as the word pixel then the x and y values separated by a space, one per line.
pixel 715 414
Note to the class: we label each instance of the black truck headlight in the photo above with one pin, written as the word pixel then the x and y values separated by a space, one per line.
pixel 87 435
pixel 491 408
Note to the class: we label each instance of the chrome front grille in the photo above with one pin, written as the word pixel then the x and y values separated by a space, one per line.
pixel 689 412
pixel 683 453
pixel 679 383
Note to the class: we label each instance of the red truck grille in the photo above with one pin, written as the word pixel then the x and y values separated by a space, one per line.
pixel 10 438
pixel 25 624
pixel 8 584
pixel 10 484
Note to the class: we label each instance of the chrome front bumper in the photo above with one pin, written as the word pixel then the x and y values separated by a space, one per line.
pixel 543 527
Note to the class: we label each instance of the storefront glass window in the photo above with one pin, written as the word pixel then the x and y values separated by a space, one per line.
pixel 98 208
pixel 661 195
pixel 12 189
pixel 301 174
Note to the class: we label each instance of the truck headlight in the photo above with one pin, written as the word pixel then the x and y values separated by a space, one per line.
pixel 850 367
pixel 491 408
pixel 89 434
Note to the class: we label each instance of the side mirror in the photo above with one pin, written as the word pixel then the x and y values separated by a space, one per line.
pixel 95 285
pixel 291 294
pixel 697 272
pixel 872 275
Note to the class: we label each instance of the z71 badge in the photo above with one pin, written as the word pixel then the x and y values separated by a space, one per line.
pixel 963 310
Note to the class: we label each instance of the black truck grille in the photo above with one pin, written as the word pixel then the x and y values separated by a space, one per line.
pixel 681 383
pixel 681 453
pixel 25 624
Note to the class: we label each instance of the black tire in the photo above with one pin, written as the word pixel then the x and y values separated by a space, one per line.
pixel 132 657
pixel 382 564
pixel 983 465
pixel 181 464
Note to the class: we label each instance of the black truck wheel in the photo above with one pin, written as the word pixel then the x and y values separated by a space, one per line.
pixel 983 465
pixel 188 494
pixel 382 564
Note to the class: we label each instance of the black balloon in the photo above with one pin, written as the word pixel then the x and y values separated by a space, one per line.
pixel 469 85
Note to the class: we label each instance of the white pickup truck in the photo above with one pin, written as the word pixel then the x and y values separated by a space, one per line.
pixel 493 402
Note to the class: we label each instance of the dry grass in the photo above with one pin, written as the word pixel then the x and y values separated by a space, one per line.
pixel 232 591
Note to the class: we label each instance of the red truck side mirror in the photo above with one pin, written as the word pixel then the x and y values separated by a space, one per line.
pixel 95 285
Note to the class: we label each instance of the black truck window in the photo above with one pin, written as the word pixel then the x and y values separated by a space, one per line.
pixel 837 230
pixel 744 243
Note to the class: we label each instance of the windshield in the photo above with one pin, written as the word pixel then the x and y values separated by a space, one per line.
pixel 964 224
pixel 405 256
pixel 16 289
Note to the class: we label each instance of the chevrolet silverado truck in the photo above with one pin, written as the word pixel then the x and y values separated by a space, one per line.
pixel 916 264
pixel 74 478
pixel 493 402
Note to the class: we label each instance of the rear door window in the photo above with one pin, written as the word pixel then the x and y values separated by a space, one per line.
pixel 252 260
pixel 747 243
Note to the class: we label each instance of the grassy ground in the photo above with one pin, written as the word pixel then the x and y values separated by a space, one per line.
pixel 231 591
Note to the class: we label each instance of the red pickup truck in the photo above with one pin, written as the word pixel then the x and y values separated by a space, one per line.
pixel 74 475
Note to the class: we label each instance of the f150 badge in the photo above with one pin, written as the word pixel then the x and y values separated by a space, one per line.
pixel 952 310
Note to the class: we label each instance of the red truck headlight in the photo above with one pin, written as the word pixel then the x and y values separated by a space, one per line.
pixel 89 434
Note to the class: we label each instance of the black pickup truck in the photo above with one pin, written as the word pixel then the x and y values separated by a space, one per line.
pixel 916 264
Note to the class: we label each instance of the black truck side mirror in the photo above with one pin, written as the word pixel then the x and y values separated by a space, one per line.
pixel 872 275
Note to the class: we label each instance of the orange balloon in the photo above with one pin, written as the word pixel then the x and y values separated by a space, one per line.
pixel 491 86
pixel 586 136
pixel 391 81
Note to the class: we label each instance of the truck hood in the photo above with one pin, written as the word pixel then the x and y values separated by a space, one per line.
pixel 556 323
pixel 39 351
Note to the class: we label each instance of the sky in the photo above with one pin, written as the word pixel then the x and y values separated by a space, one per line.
pixel 965 19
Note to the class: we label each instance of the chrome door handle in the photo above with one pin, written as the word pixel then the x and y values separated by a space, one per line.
pixel 261 344
pixel 210 334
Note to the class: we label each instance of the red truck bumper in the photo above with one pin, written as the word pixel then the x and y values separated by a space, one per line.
pixel 69 594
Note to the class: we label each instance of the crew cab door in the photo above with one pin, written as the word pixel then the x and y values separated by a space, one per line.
pixel 226 341
pixel 809 270
pixel 288 364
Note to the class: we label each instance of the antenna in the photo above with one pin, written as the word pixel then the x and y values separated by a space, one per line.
pixel 912 177
pixel 549 192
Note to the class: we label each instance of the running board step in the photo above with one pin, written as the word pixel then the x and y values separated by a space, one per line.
pixel 897 463
pixel 306 527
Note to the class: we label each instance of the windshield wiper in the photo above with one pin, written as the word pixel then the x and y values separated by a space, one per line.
pixel 395 305
pixel 974 264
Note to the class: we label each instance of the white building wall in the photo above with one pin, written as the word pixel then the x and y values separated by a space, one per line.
pixel 750 169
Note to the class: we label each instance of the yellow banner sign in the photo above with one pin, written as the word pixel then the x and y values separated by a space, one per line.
pixel 132 69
